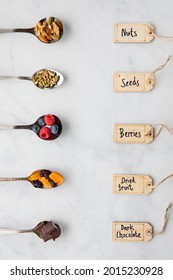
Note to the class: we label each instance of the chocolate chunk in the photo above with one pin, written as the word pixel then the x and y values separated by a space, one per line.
pixel 52 183
pixel 47 230
pixel 37 184
pixel 45 173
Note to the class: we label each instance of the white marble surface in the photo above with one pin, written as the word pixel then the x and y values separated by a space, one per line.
pixel 87 106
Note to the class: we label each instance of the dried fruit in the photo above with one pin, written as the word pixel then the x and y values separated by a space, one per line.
pixel 45 179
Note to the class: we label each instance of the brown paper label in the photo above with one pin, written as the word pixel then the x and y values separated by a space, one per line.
pixel 133 33
pixel 133 82
pixel 132 184
pixel 133 133
pixel 131 232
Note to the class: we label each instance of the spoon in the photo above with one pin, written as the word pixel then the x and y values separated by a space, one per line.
pixel 46 230
pixel 47 127
pixel 47 30
pixel 43 179
pixel 44 78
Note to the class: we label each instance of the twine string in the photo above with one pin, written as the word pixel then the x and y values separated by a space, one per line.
pixel 161 126
pixel 164 221
pixel 151 78
pixel 161 66
pixel 164 38
pixel 162 181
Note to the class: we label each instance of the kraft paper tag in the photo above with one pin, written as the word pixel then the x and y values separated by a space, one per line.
pixel 133 82
pixel 131 232
pixel 133 133
pixel 132 184
pixel 133 33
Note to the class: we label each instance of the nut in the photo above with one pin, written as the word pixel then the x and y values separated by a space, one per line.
pixel 48 30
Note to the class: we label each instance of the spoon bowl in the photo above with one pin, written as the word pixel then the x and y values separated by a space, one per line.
pixel 49 30
pixel 47 127
pixel 47 78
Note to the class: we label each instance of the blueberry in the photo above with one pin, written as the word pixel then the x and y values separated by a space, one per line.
pixel 36 128
pixel 54 129
pixel 41 121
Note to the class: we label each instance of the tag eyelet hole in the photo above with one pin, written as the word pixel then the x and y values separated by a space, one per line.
pixel 149 134
pixel 148 232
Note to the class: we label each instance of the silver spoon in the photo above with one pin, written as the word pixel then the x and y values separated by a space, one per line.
pixel 45 230
pixel 47 127
pixel 44 78
pixel 42 179
pixel 47 30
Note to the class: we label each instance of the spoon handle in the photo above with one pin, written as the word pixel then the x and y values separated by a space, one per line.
pixel 28 126
pixel 12 231
pixel 5 126
pixel 8 30
pixel 12 179
pixel 16 77
pixel 25 30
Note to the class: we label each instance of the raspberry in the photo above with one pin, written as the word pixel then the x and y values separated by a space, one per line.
pixel 45 133
pixel 49 119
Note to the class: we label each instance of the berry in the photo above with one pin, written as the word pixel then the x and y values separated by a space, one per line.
pixel 49 119
pixel 45 133
pixel 36 128
pixel 41 121
pixel 54 129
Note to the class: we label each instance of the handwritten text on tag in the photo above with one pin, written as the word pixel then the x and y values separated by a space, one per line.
pixel 131 232
pixel 133 133
pixel 133 82
pixel 132 184
pixel 133 33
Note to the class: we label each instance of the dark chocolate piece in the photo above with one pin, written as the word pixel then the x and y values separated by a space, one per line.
pixel 45 173
pixel 52 183
pixel 37 184
pixel 47 230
